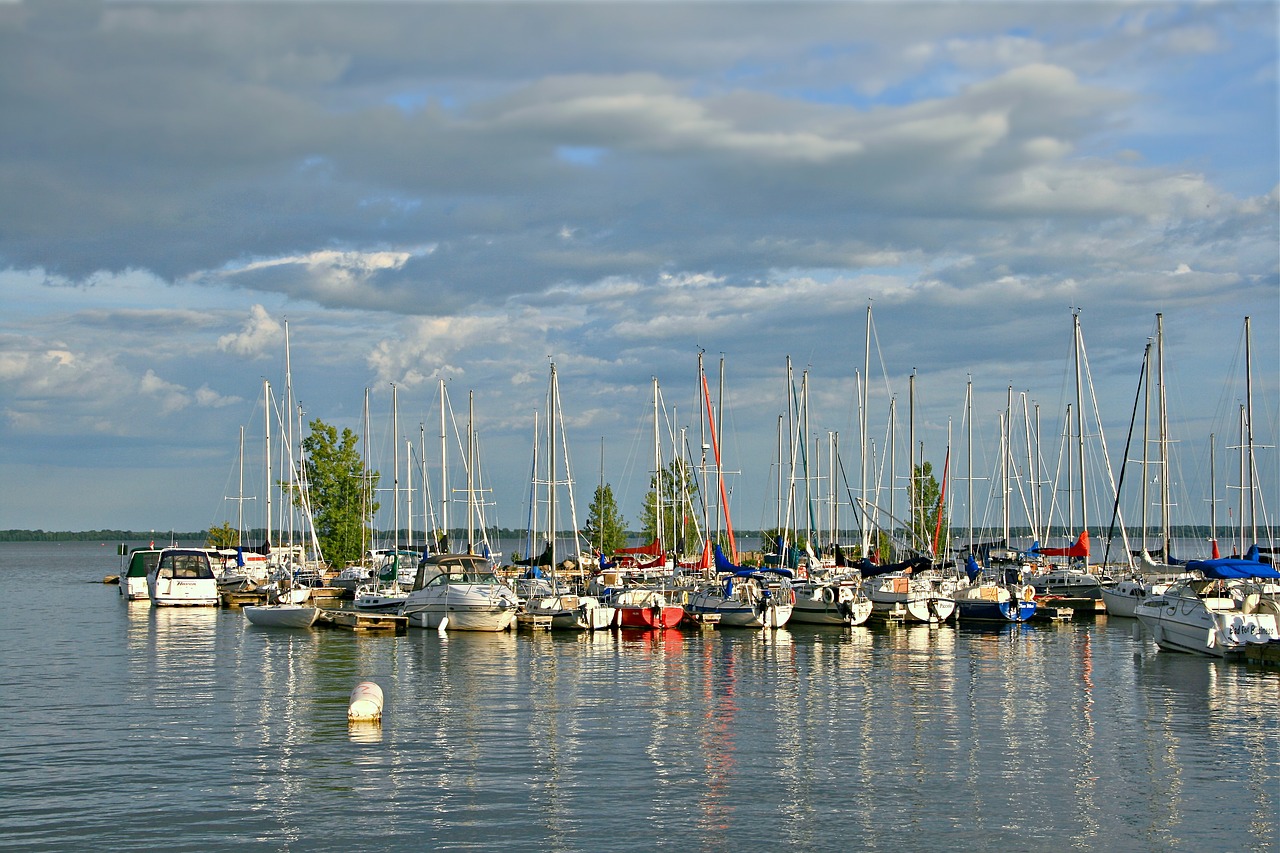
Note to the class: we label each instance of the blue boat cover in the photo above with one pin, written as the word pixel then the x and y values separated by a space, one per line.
pixel 1232 568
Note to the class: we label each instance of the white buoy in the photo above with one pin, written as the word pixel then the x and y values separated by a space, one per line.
pixel 444 623
pixel 366 702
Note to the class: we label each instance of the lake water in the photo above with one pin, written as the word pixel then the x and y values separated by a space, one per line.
pixel 128 728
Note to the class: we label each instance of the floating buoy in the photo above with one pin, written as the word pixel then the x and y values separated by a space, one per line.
pixel 366 702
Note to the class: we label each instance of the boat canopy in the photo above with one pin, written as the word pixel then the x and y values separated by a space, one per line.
pixel 723 566
pixel 1232 568
pixel 1079 549
pixel 869 569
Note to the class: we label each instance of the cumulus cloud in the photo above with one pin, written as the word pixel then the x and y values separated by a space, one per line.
pixel 260 334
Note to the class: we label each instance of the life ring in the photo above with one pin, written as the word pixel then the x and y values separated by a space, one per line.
pixel 828 595
pixel 791 597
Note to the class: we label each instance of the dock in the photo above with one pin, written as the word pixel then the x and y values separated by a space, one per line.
pixel 1263 654
pixel 353 620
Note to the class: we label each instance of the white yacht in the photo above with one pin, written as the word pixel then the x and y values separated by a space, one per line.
pixel 461 592
pixel 1224 606
pixel 183 576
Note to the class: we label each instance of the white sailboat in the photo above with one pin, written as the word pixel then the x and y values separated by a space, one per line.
pixel 567 610
pixel 289 607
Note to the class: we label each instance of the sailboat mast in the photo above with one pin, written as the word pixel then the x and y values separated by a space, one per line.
pixel 551 466
pixel 266 408
pixel 1163 415
pixel 395 468
pixel 968 465
pixel 471 469
pixel 862 437
pixel 240 502
pixel 366 535
pixel 444 466
pixel 1084 509
pixel 658 484
pixel 1248 402
pixel 911 458
pixel 1146 438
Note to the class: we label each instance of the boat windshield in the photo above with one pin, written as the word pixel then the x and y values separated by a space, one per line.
pixel 460 575
pixel 185 566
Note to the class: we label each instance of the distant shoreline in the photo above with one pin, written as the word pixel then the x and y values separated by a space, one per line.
pixel 1187 531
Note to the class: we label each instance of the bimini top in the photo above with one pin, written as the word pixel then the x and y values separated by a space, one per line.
pixel 1232 568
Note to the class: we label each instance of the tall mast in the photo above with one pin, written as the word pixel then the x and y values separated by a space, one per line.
pixel 395 472
pixel 444 466
pixel 1248 403
pixel 968 417
pixel 864 514
pixel 911 458
pixel 266 406
pixel 1146 439
pixel 1162 413
pixel 366 495
pixel 658 484
pixel 471 471
pixel 552 396
pixel 1084 508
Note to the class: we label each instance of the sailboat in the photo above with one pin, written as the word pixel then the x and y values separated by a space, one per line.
pixel 1148 576
pixel 1075 580
pixel 291 608
pixel 460 591
pixel 384 594
pixel 1222 605
pixel 991 597
pixel 567 610
pixel 651 606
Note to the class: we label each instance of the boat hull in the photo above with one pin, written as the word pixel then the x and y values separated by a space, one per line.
pixel 282 615
pixel 829 604
pixel 462 617
pixel 640 616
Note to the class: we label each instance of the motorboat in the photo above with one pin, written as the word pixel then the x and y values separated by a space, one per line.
pixel 133 578
pixel 1222 607
pixel 461 592
pixel 183 576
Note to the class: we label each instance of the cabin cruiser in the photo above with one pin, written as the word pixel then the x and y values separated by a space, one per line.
pixel 1221 607
pixel 183 576
pixel 459 591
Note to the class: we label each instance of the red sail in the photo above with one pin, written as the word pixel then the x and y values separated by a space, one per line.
pixel 1080 549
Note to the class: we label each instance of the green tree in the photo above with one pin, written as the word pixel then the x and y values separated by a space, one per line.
pixel 605 528
pixel 924 515
pixel 225 536
pixel 676 485
pixel 341 508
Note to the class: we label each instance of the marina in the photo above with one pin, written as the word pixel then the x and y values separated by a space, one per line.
pixel 210 732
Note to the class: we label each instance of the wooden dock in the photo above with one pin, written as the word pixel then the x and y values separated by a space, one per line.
pixel 352 620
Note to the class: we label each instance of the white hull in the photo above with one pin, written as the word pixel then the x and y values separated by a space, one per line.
pixel 830 604
pixel 282 615
pixel 574 613
pixel 170 592
pixel 134 589
pixel 1182 621
pixel 736 614
pixel 913 605
pixel 486 618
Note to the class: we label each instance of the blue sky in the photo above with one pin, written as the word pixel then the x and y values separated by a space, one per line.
pixel 462 191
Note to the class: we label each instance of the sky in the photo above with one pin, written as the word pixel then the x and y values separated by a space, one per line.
pixel 470 192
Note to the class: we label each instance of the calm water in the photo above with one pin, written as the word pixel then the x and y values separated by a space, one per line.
pixel 127 728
